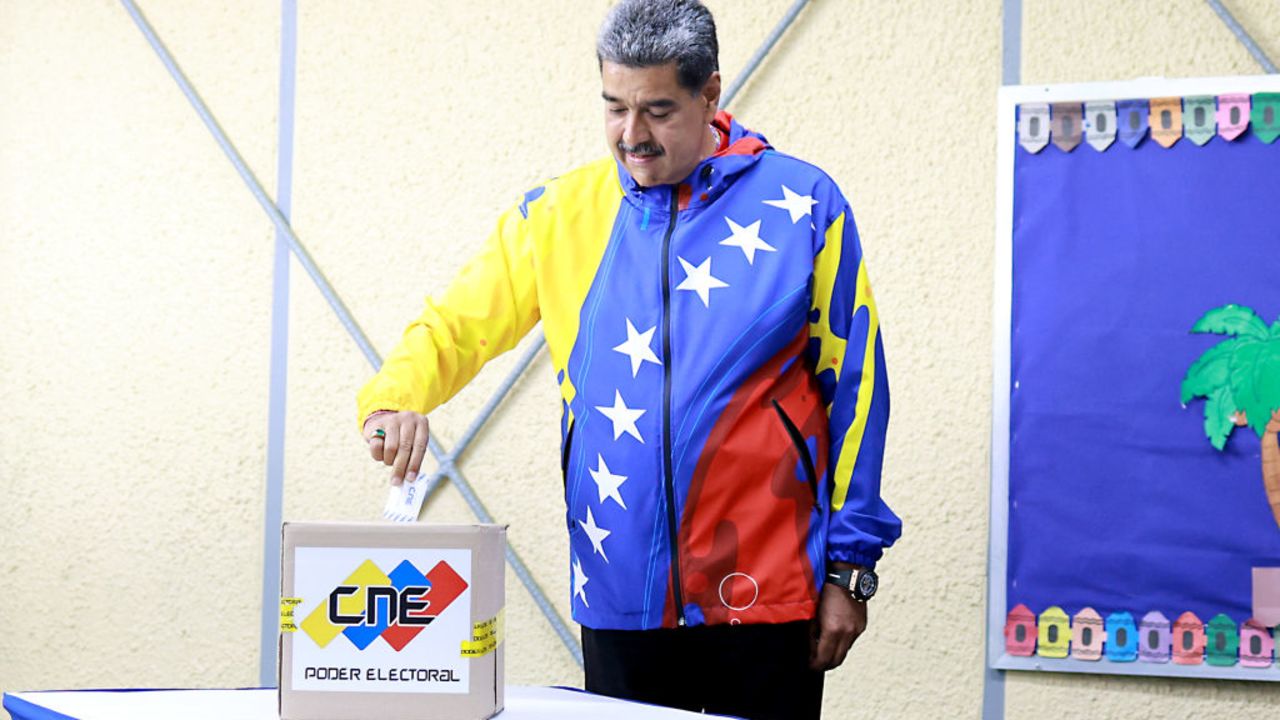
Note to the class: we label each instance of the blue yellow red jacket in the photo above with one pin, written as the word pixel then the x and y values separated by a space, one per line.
pixel 720 361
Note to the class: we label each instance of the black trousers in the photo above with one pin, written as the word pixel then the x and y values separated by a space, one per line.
pixel 759 672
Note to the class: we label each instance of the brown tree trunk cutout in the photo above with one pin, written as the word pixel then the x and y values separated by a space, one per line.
pixel 1271 463
pixel 1270 460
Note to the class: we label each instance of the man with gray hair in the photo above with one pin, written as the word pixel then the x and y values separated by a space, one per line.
pixel 708 314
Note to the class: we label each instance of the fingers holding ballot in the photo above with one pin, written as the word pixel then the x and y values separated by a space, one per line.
pixel 399 440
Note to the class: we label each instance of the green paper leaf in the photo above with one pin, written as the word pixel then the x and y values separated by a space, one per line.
pixel 1218 410
pixel 1232 320
pixel 1255 381
pixel 1237 375
pixel 1210 372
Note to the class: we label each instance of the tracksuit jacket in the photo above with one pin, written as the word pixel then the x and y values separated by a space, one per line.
pixel 719 358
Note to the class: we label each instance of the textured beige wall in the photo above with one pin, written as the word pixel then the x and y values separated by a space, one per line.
pixel 134 282
pixel 135 277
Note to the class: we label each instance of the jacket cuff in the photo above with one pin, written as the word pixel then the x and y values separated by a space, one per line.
pixel 864 558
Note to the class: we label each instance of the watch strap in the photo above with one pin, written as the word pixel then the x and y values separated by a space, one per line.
pixel 850 581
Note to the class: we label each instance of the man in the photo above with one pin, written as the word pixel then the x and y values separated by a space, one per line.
pixel 717 347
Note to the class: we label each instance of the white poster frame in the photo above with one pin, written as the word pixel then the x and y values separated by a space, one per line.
pixel 1008 99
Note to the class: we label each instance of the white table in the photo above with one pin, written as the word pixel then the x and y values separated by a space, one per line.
pixel 522 703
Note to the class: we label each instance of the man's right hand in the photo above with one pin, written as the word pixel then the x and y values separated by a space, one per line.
pixel 404 445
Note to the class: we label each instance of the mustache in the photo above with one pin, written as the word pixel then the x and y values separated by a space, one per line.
pixel 641 149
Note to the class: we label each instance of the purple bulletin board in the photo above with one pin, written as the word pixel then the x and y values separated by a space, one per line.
pixel 1137 354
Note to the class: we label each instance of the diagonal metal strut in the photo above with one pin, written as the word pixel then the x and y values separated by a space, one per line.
pixel 1242 35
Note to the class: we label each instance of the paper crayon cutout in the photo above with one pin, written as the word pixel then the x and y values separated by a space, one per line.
pixel 1233 116
pixel 1131 121
pixel 1266 595
pixel 1122 638
pixel 1020 632
pixel 1055 633
pixel 1154 638
pixel 1166 120
pixel 1100 124
pixel 1067 125
pixel 1266 116
pixel 1256 644
pixel 1222 641
pixel 1087 635
pixel 1198 118
pixel 1033 126
pixel 1188 640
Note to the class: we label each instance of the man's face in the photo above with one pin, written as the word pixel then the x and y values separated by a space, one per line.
pixel 658 130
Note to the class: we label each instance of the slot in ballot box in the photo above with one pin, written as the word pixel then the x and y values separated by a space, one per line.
pixel 395 621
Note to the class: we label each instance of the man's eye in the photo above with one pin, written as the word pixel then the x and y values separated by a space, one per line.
pixel 617 111
pixel 658 116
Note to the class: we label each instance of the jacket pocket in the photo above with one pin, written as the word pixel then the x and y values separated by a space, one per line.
pixel 802 449
pixel 564 457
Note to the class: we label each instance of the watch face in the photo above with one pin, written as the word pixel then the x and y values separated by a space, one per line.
pixel 867 584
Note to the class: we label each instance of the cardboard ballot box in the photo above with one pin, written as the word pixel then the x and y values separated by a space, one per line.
pixel 392 621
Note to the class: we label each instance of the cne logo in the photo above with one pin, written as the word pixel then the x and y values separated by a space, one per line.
pixel 395 606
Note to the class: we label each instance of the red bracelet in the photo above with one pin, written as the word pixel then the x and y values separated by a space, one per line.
pixel 375 414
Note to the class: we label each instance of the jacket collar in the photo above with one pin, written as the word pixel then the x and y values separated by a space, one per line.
pixel 740 148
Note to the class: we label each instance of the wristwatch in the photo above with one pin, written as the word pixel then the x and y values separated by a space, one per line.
pixel 861 584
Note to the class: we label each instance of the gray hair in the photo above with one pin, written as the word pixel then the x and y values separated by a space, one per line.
pixel 644 33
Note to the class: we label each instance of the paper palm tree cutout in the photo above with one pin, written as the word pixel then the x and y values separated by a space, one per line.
pixel 1240 381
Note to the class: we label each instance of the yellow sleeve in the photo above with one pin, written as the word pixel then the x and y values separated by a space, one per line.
pixel 485 311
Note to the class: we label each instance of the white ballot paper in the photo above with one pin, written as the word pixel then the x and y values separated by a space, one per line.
pixel 404 501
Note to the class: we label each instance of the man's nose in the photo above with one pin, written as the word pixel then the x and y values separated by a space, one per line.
pixel 635 131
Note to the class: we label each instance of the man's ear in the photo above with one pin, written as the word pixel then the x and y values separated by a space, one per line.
pixel 711 95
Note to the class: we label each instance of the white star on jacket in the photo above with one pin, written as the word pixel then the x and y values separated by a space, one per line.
pixel 747 239
pixel 595 534
pixel 700 280
pixel 580 582
pixel 797 206
pixel 623 417
pixel 637 347
pixel 606 482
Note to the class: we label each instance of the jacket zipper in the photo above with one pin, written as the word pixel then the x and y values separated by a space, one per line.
pixel 668 479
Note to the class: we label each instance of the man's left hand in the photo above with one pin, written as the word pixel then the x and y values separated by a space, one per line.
pixel 840 621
